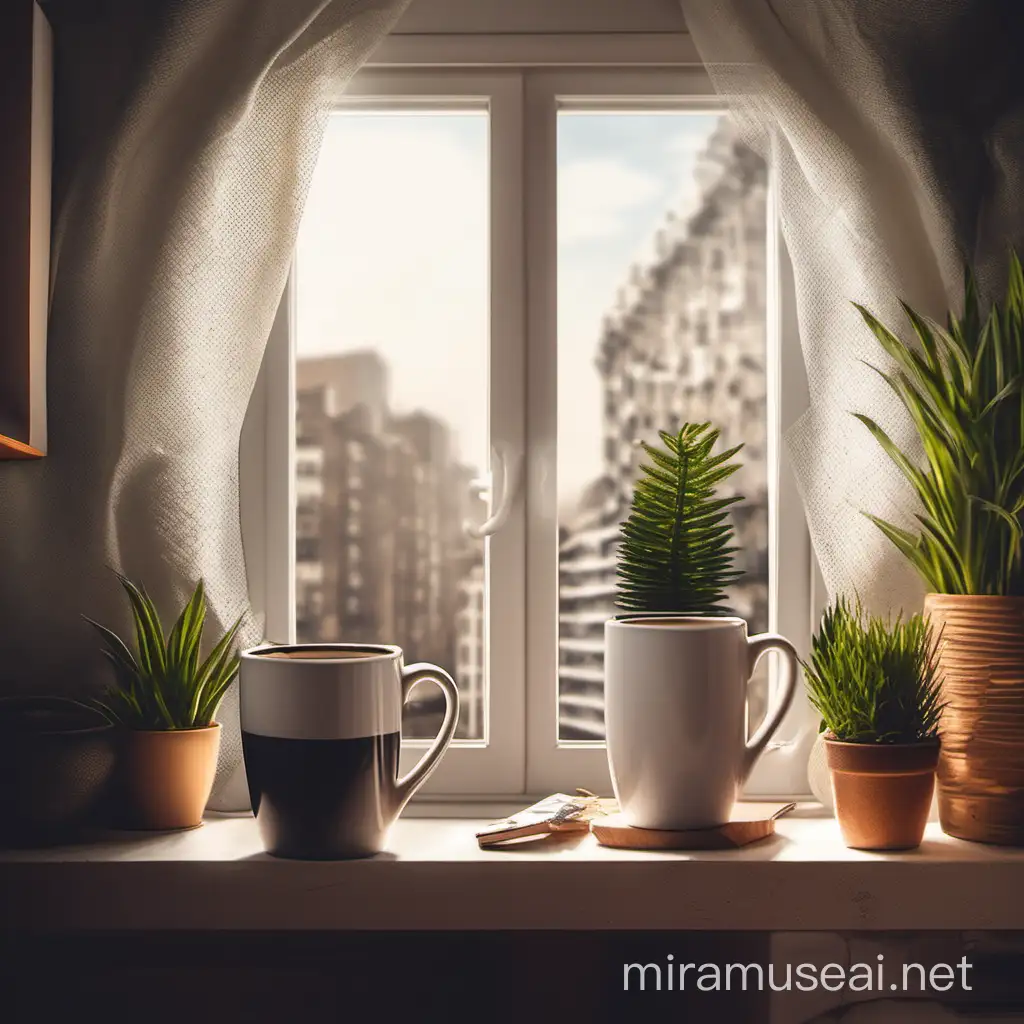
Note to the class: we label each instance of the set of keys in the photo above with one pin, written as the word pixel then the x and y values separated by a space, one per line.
pixel 556 814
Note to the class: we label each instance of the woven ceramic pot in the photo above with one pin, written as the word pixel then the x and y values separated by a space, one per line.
pixel 981 768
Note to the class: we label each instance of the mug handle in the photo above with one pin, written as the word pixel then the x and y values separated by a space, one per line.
pixel 757 646
pixel 411 675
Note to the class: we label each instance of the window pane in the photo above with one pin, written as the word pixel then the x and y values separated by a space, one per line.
pixel 392 342
pixel 661 320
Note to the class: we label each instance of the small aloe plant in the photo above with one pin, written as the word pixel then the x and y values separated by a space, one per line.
pixel 162 684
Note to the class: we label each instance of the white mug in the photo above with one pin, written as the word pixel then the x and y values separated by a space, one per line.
pixel 675 714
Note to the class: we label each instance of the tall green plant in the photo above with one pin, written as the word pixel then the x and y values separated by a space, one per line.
pixel 964 388
pixel 873 680
pixel 162 684
pixel 676 553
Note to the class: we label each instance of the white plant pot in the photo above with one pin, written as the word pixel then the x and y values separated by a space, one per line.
pixel 675 692
pixel 818 776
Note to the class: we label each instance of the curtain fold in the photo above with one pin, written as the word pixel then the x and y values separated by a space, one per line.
pixel 187 139
pixel 896 134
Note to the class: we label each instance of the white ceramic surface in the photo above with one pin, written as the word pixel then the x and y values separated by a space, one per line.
pixel 675 713
pixel 818 776
pixel 358 694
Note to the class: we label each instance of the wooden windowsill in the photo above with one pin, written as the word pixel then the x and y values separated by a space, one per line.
pixel 435 877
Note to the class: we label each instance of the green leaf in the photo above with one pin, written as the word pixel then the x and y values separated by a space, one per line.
pixel 874 680
pixel 149 636
pixel 963 389
pixel 163 685
pixel 213 671
pixel 905 466
pixel 676 553
pixel 116 647
pixel 183 642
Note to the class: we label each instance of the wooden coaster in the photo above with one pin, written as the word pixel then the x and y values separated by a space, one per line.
pixel 750 822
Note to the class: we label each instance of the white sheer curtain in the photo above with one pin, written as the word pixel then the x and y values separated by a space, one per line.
pixel 896 130
pixel 188 135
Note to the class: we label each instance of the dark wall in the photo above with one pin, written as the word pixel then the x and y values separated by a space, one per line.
pixel 92 82
pixel 379 978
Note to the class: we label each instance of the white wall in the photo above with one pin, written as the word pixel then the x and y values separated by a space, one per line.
pixel 508 16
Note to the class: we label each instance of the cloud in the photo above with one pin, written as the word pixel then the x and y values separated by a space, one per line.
pixel 596 196
pixel 684 147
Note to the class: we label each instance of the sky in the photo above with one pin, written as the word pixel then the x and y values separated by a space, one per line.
pixel 393 255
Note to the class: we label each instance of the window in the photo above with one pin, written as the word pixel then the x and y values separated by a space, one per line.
pixel 307 548
pixel 537 265
pixel 653 188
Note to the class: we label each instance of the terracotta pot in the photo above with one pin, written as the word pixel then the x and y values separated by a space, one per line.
pixel 167 776
pixel 882 792
pixel 981 769
pixel 56 760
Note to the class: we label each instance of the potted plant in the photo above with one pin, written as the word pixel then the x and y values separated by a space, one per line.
pixel 56 759
pixel 963 386
pixel 874 682
pixel 677 663
pixel 163 700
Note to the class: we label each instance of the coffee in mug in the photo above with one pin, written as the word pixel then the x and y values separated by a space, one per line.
pixel 321 737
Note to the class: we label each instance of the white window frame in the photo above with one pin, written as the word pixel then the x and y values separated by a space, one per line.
pixel 522 756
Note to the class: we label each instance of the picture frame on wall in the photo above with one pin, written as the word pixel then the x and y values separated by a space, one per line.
pixel 26 126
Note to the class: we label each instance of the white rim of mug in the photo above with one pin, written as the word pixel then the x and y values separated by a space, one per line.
pixel 643 620
pixel 374 652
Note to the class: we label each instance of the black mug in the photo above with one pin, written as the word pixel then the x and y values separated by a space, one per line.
pixel 321 735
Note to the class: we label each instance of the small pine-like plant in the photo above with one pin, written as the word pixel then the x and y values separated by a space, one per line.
pixel 676 553
pixel 162 684
pixel 874 680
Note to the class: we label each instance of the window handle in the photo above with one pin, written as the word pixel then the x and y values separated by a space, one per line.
pixel 510 464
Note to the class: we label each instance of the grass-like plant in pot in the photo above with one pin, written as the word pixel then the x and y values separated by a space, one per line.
pixel 677 662
pixel 875 684
pixel 163 699
pixel 963 387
